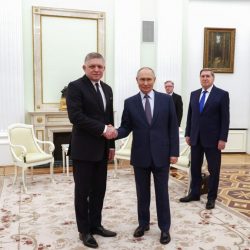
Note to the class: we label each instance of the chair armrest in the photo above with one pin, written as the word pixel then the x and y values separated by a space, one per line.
pixel 23 152
pixel 51 145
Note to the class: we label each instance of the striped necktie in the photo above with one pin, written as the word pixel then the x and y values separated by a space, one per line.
pixel 148 109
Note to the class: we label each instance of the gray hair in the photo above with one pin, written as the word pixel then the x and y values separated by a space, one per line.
pixel 207 69
pixel 169 81
pixel 93 55
pixel 145 68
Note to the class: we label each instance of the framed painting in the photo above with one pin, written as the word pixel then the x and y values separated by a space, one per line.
pixel 219 46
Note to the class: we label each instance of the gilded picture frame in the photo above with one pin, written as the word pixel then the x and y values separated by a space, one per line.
pixel 59 43
pixel 219 46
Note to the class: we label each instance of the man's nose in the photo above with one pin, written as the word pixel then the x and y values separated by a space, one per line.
pixel 96 68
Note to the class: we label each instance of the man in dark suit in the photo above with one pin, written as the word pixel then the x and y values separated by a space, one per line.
pixel 206 132
pixel 90 109
pixel 169 87
pixel 151 117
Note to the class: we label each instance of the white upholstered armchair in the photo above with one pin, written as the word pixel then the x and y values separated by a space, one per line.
pixel 124 152
pixel 25 150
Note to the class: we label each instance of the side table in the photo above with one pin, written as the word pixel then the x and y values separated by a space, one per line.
pixel 65 157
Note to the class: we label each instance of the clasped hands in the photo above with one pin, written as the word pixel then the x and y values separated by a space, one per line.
pixel 110 133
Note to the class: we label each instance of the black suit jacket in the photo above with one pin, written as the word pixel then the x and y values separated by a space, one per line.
pixel 88 119
pixel 212 124
pixel 178 107
pixel 157 141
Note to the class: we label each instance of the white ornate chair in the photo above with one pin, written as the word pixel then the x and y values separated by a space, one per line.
pixel 184 163
pixel 124 152
pixel 25 150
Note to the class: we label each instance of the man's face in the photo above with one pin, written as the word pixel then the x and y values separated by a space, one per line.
pixel 145 80
pixel 94 69
pixel 169 87
pixel 206 79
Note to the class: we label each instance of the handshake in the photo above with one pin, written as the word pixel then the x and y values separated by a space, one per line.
pixel 111 132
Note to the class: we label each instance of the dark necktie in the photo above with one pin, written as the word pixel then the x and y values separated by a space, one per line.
pixel 99 96
pixel 148 109
pixel 202 100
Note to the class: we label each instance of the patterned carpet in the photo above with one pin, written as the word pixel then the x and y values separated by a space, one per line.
pixel 234 188
pixel 44 218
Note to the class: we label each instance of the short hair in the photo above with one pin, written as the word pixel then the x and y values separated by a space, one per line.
pixel 93 55
pixel 169 81
pixel 145 68
pixel 207 69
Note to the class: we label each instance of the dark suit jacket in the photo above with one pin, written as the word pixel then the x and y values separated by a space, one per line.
pixel 212 124
pixel 178 107
pixel 157 141
pixel 88 119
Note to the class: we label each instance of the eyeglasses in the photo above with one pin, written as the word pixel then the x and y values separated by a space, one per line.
pixel 168 86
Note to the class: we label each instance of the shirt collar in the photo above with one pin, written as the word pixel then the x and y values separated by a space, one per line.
pixel 150 94
pixel 96 82
pixel 208 90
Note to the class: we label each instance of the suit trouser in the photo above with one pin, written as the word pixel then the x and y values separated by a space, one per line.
pixel 143 183
pixel 90 186
pixel 213 156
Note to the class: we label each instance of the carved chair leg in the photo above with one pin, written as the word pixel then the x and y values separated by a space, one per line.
pixel 67 164
pixel 24 180
pixel 15 174
pixel 63 160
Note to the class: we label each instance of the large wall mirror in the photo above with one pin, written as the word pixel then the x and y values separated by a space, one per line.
pixel 61 39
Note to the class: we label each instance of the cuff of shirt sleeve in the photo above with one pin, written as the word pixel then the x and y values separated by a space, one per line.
pixel 105 129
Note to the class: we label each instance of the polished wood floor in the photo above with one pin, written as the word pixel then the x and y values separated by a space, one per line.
pixel 235 159
pixel 227 159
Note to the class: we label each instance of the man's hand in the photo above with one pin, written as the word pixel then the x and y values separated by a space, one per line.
pixel 187 140
pixel 110 133
pixel 173 159
pixel 221 145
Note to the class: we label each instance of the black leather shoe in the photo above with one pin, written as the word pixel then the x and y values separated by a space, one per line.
pixel 165 238
pixel 103 232
pixel 210 204
pixel 189 198
pixel 88 240
pixel 139 231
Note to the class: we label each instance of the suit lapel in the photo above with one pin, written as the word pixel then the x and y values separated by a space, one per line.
pixel 157 106
pixel 107 97
pixel 91 89
pixel 140 107
pixel 210 99
pixel 197 99
pixel 142 111
pixel 88 84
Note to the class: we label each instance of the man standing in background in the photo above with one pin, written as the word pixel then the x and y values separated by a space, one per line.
pixel 169 87
pixel 206 132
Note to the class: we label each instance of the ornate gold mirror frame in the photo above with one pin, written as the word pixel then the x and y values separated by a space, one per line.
pixel 49 78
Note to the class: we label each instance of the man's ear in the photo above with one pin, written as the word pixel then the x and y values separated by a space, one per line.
pixel 83 67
